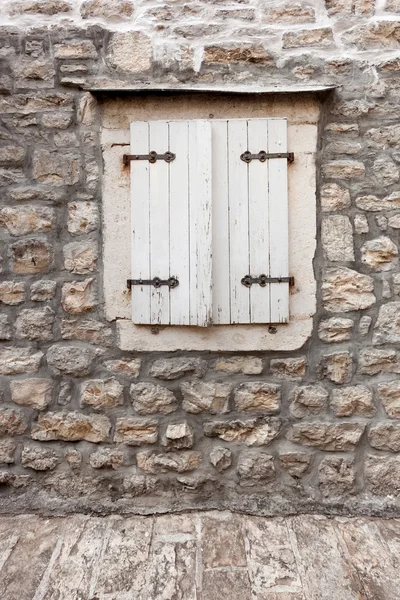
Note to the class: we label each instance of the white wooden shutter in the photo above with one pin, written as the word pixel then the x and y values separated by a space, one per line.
pixel 171 223
pixel 250 221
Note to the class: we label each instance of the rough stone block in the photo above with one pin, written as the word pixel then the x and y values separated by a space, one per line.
pixel 14 361
pixel 387 326
pixel 11 155
pixel 344 290
pixel 246 365
pixel 258 396
pixel 336 476
pixel 254 467
pixel 43 290
pixel 380 254
pixel 201 396
pixel 221 458
pixel 83 217
pixel 39 458
pixel 290 14
pixel 7 451
pixel 288 368
pixel 75 49
pixel 81 257
pixel 30 256
pixel 354 400
pixel 57 120
pixel 12 422
pixel 87 330
pixel 332 437
pixel 12 292
pixel 40 7
pixel 385 436
pixel 252 432
pixel 374 204
pixel 66 359
pixel 71 427
pixel 174 368
pixel 377 35
pixel 344 169
pixel 295 463
pixel 148 399
pixel 382 475
pixel 389 395
pixel 233 54
pixel 110 10
pixel 335 329
pixel 79 296
pixel 373 361
pixel 307 38
pixel 35 393
pixel 100 394
pixel 334 197
pixel 107 458
pixel 130 51
pixel 124 366
pixel 35 324
pixel 55 168
pixel 162 463
pixel 178 436
pixel 5 328
pixel 336 367
pixel 334 228
pixel 308 400
pixel 361 224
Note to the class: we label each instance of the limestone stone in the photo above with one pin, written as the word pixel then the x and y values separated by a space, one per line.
pixel 187 460
pixel 81 257
pixel 79 296
pixel 35 324
pixel 35 393
pixel 374 204
pixel 39 458
pixel 336 367
pixel 75 49
pixel 335 329
pixel 221 458
pixel 138 485
pixel 383 34
pixel 65 393
pixel 364 325
pixel 40 7
pixel 394 221
pixel 73 458
pixel 383 137
pixel 246 365
pixel 7 451
pixel 11 155
pixel 130 52
pixel 380 254
pixel 348 7
pixel 43 290
pixel 135 432
pixel 344 169
pixel 361 224
pixel 336 476
pixel 12 422
pixel 334 197
pixel 295 463
pixel 87 330
pixel 14 361
pixel 202 396
pixel 57 120
pixel 233 54
pixel 27 219
pixel 392 6
pixel 288 368
pixel 290 13
pixel 12 292
pixel 387 326
pixel 107 458
pixel 332 437
pixel 83 217
pixel 148 399
pixel 385 436
pixel 307 400
pixel 258 396
pixel 35 73
pixel 350 129
pixel 178 436
pixel 344 290
pixel 100 393
pixel 373 361
pixel 318 38
pixel 71 427
pixel 382 475
pixel 124 366
pixel 385 171
pixel 87 109
pixel 333 228
pixel 243 14
pixel 110 10
pixel 5 328
pixel 70 359
pixel 389 395
pixel 348 147
pixel 254 467
pixel 30 256
pixel 55 168
pixel 252 432
pixel 174 368
pixel 353 400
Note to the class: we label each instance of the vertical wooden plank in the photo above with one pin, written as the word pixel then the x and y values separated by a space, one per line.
pixel 278 221
pixel 200 207
pixel 159 223
pixel 220 216
pixel 259 221
pixel 238 221
pixel 179 241
pixel 140 222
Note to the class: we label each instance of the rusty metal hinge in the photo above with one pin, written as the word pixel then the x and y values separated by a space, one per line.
pixel 172 282
pixel 152 157
pixel 262 156
pixel 262 280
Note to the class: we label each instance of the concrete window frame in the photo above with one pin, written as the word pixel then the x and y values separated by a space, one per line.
pixel 302 109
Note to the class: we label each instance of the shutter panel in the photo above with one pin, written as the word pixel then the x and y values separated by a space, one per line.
pixel 171 223
pixel 250 220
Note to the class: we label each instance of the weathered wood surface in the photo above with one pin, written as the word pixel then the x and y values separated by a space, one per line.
pixel 207 556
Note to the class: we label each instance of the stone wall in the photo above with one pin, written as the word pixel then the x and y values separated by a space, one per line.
pixel 85 426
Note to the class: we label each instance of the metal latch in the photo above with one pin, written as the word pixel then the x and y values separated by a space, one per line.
pixel 151 157
pixel 172 282
pixel 248 280
pixel 262 156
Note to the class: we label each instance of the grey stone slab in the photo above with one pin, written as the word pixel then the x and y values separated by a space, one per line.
pixel 222 541
pixel 226 584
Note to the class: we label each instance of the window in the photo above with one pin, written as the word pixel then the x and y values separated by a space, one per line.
pixel 214 219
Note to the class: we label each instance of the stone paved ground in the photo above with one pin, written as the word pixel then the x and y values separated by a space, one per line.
pixel 199 556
